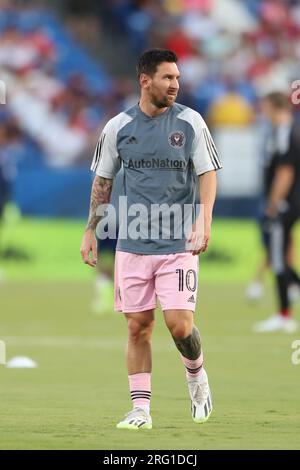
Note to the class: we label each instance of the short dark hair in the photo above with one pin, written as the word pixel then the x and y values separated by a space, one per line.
pixel 150 59
pixel 278 100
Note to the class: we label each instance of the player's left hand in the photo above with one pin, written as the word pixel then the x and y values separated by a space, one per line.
pixel 89 247
pixel 199 238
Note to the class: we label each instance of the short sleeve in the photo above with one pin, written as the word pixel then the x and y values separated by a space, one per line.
pixel 204 152
pixel 106 161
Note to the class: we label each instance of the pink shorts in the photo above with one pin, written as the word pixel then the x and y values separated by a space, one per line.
pixel 141 279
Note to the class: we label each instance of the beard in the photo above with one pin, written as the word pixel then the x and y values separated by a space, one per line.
pixel 161 101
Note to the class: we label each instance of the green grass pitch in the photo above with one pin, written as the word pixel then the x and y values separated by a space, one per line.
pixel 75 397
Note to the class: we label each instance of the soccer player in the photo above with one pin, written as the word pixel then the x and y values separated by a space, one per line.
pixel 282 191
pixel 255 290
pixel 163 146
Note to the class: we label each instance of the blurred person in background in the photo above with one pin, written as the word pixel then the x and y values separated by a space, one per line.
pixel 103 287
pixel 104 281
pixel 10 155
pixel 282 204
pixel 231 109
pixel 3 200
pixel 255 290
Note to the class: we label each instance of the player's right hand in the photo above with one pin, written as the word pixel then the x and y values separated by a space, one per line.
pixel 89 247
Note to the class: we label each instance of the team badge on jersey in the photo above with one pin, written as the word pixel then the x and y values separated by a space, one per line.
pixel 177 139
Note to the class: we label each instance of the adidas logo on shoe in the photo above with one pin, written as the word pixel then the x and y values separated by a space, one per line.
pixel 191 299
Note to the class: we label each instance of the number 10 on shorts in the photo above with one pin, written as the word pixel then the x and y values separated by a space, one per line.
pixel 189 279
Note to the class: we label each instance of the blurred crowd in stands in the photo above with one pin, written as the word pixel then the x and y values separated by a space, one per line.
pixel 230 52
pixel 56 96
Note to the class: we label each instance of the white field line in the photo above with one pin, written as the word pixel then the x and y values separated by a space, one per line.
pixel 229 344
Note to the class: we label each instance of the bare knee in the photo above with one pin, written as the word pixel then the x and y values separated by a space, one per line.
pixel 140 330
pixel 179 322
pixel 180 330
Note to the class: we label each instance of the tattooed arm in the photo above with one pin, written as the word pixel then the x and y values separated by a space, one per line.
pixel 100 195
pixel 101 192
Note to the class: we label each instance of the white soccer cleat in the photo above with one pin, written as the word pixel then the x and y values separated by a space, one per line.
pixel 276 322
pixel 136 419
pixel 254 291
pixel 201 402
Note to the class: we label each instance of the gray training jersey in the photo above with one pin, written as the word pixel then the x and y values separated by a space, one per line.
pixel 161 157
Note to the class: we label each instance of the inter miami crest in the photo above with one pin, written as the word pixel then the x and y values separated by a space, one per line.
pixel 177 139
